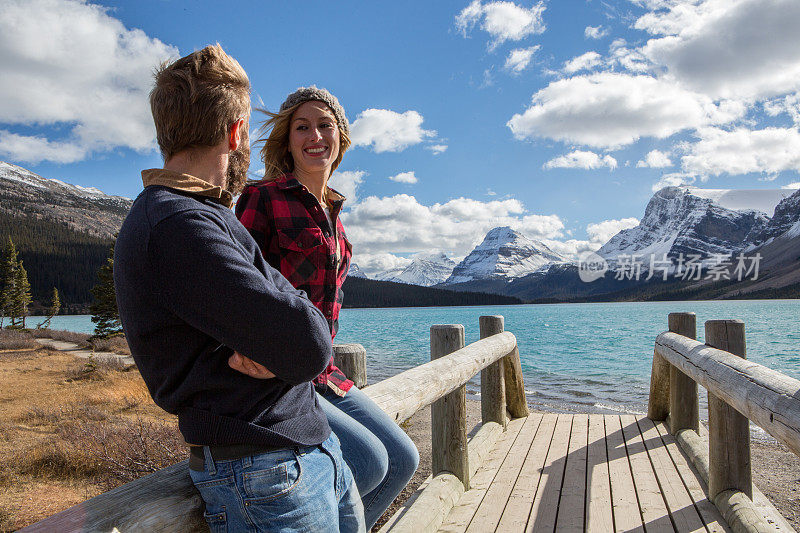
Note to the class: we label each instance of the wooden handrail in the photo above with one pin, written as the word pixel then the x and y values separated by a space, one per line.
pixel 167 501
pixel 766 397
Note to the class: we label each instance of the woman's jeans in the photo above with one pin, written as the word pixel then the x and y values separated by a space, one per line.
pixel 308 488
pixel 380 454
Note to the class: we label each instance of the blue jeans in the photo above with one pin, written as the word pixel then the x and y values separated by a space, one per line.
pixel 309 488
pixel 380 454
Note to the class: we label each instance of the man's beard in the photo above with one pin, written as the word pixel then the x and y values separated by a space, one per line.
pixel 238 164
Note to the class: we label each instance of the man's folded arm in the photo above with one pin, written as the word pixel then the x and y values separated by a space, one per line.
pixel 208 281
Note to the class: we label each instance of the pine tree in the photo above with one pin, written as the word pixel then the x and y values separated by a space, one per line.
pixel 105 314
pixel 55 307
pixel 19 296
pixel 8 264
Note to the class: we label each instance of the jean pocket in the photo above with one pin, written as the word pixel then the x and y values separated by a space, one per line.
pixel 274 482
pixel 217 523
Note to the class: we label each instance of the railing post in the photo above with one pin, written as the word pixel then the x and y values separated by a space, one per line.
pixel 449 414
pixel 493 388
pixel 658 402
pixel 684 407
pixel 352 360
pixel 728 430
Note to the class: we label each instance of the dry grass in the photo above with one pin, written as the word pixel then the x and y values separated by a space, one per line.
pixel 116 344
pixel 65 440
pixel 12 339
pixel 81 339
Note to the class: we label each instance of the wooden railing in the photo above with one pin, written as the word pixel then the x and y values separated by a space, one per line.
pixel 739 391
pixel 167 501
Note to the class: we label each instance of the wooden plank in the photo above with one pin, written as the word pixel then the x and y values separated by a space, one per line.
pixel 694 484
pixel 462 513
pixel 679 502
pixel 654 511
pixel 544 511
pixel 491 508
pixel 571 507
pixel 627 516
pixel 493 388
pixel 599 516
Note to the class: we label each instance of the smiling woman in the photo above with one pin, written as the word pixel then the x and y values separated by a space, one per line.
pixel 294 217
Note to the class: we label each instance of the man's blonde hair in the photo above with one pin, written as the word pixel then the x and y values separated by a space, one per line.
pixel 197 98
pixel 274 133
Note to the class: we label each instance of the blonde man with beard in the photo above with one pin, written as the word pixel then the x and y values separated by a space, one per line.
pixel 189 281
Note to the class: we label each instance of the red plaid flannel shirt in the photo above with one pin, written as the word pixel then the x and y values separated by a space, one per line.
pixel 291 228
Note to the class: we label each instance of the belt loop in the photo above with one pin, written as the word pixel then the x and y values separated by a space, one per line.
pixel 210 466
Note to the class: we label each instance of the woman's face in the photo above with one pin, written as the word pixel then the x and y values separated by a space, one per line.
pixel 313 138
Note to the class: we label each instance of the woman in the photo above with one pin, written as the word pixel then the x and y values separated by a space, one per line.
pixel 294 217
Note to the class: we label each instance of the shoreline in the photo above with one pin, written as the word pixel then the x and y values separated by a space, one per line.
pixel 776 469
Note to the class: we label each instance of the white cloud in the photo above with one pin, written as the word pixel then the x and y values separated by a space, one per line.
pixel 504 21
pixel 610 110
pixel 33 149
pixel 793 185
pixel 743 49
pixel 519 59
pixel 388 131
pixel 401 224
pixel 586 61
pixel 347 182
pixel 741 151
pixel 582 159
pixel 629 59
pixel 571 248
pixel 674 179
pixel 595 32
pixel 437 148
pixel 601 232
pixel 68 63
pixel 655 159
pixel 789 104
pixel 404 177
pixel 372 264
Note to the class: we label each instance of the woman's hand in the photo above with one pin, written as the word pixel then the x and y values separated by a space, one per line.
pixel 247 366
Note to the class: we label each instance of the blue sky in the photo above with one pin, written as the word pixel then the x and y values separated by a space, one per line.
pixel 558 118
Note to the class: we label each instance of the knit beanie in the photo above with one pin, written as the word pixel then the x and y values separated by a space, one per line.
pixel 313 93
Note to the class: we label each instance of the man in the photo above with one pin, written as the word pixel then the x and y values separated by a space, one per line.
pixel 194 292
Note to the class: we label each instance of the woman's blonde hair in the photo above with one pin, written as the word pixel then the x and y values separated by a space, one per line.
pixel 274 133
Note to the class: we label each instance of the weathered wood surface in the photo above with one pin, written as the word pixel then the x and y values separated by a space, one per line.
pixel 516 400
pixel 684 404
pixel 352 360
pixel 164 501
pixel 433 502
pixel 766 397
pixel 658 401
pixel 449 413
pixel 493 389
pixel 741 513
pixel 553 474
pixel 404 394
pixel 729 430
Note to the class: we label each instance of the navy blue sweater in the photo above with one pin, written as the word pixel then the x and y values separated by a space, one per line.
pixel 192 287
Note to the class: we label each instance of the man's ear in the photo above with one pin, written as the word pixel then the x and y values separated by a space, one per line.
pixel 235 134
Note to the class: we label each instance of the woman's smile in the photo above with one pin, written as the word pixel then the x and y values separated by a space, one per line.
pixel 313 139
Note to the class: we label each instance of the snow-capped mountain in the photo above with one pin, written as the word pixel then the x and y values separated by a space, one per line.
pixel 84 209
pixel 503 255
pixel 688 221
pixel 424 269
pixel 355 272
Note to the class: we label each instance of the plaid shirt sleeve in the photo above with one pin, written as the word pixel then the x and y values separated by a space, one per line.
pixel 295 240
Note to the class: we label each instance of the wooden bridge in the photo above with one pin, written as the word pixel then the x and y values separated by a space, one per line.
pixel 546 472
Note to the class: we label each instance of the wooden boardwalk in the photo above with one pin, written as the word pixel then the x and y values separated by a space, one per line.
pixel 599 473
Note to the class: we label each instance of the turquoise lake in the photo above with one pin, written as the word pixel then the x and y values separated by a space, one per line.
pixel 575 357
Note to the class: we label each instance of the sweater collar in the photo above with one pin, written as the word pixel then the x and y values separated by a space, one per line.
pixel 187 183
